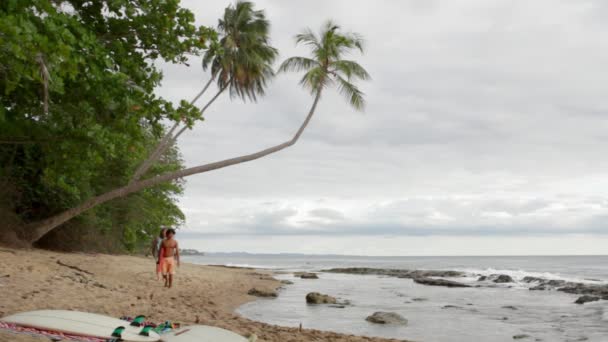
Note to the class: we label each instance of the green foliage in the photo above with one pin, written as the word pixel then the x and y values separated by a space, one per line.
pixel 240 54
pixel 77 106
pixel 326 67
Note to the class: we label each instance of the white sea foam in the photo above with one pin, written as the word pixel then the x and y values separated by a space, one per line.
pixel 267 267
pixel 519 275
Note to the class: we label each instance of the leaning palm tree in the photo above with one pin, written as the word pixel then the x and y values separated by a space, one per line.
pixel 240 61
pixel 325 67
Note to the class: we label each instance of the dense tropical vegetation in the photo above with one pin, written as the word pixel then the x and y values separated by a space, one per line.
pixel 85 157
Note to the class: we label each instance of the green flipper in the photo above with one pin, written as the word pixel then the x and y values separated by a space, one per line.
pixel 146 330
pixel 118 332
pixel 138 321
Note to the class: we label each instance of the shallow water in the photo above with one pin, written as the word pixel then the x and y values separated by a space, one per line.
pixel 478 314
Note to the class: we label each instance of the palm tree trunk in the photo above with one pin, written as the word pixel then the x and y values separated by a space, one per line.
pixel 202 111
pixel 40 229
pixel 166 141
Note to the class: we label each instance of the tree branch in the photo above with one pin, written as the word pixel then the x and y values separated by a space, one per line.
pixel 40 229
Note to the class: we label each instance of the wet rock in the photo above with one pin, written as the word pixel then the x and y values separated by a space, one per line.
pixel 286 282
pixel 420 299
pixel 439 282
pixel 337 306
pixel 399 273
pixel 529 279
pixel 538 288
pixel 585 289
pixel 318 298
pixel 386 318
pixel 263 293
pixel 586 299
pixel 521 336
pixel 306 275
pixel 510 307
pixel 503 278
pixel 482 278
pixel 451 307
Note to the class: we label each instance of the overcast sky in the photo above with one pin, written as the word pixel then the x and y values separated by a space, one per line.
pixel 485 133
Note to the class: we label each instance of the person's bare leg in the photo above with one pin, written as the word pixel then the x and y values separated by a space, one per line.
pixel 170 280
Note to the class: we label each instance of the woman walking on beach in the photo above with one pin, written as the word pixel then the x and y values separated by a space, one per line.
pixel 156 250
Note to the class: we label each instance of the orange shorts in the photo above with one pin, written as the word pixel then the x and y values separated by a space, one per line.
pixel 168 265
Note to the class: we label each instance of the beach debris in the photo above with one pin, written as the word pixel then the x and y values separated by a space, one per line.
pixel 439 282
pixel 263 293
pixel 306 275
pixel 60 263
pixel 381 317
pixel 318 298
pixel 586 299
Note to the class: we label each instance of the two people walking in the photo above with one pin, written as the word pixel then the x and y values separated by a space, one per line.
pixel 165 251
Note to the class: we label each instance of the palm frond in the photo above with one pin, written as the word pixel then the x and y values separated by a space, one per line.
pixel 351 92
pixel 350 69
pixel 297 64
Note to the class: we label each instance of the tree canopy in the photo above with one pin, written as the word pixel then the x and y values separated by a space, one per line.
pixel 77 105
pixel 82 133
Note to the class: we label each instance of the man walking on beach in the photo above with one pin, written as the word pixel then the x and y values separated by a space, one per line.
pixel 170 257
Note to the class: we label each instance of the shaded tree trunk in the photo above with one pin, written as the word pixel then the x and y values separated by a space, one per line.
pixel 38 229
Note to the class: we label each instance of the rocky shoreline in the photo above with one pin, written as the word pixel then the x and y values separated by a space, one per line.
pixel 588 292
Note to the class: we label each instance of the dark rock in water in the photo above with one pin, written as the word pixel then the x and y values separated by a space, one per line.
pixel 585 289
pixel 482 278
pixel 451 307
pixel 262 293
pixel 318 298
pixel 306 275
pixel 337 306
pixel 397 272
pixel 503 278
pixel 586 299
pixel 419 299
pixel 509 307
pixel 555 283
pixel 521 336
pixel 538 288
pixel 529 279
pixel 286 282
pixel 386 318
pixel 439 282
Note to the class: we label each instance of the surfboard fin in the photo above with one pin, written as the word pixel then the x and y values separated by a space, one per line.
pixel 118 332
pixel 146 330
pixel 138 321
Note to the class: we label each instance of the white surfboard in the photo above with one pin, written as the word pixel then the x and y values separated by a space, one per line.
pixel 202 333
pixel 79 323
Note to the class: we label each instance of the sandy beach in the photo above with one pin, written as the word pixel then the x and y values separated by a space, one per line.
pixel 126 285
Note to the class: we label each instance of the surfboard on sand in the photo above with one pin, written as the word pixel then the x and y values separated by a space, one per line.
pixel 80 323
pixel 201 333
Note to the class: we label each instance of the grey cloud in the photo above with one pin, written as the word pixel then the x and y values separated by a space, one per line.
pixel 481 120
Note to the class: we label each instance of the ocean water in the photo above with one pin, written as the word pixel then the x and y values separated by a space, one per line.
pixel 472 314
